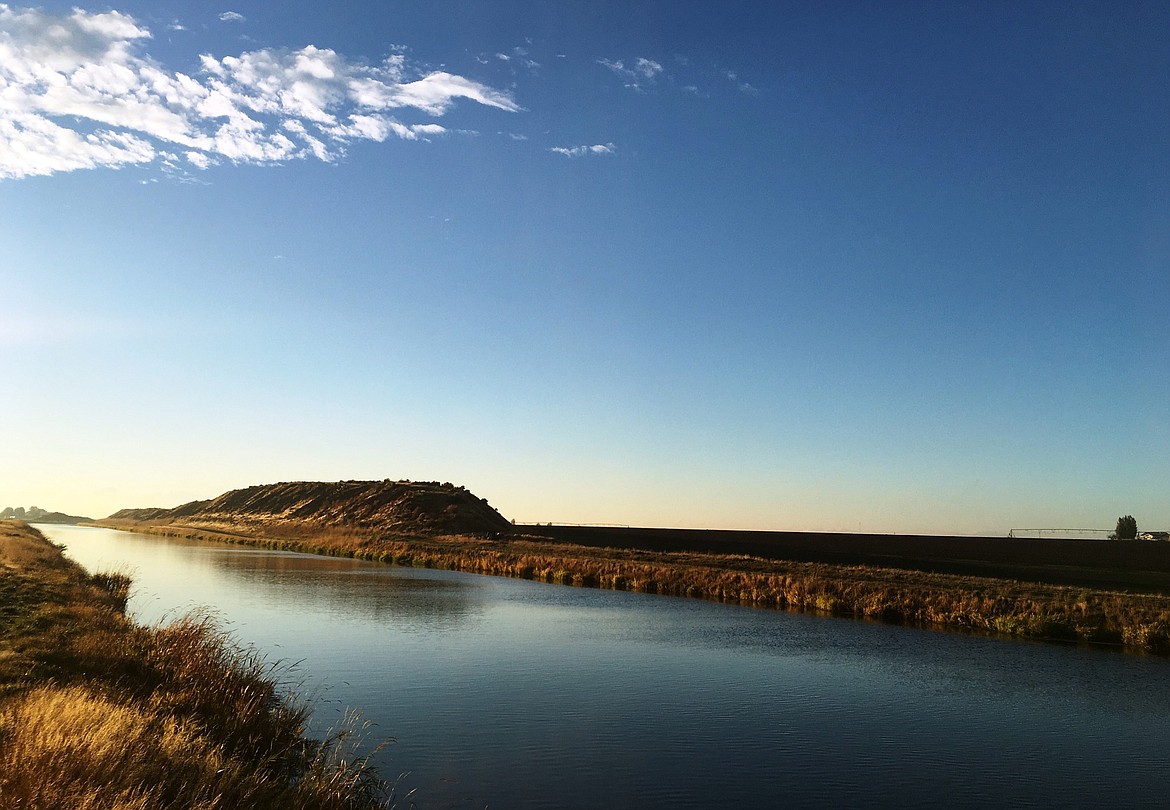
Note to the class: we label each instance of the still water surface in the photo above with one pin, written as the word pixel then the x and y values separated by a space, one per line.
pixel 505 693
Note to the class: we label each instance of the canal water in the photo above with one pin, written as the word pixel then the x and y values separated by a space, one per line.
pixel 507 693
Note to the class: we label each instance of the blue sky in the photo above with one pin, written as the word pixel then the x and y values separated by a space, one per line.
pixel 878 266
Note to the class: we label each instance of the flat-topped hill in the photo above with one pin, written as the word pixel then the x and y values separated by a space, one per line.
pixel 406 507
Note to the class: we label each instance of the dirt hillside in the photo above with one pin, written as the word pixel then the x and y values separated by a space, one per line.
pixel 408 507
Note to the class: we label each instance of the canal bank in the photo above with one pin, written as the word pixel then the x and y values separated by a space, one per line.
pixel 507 692
pixel 1019 608
pixel 96 711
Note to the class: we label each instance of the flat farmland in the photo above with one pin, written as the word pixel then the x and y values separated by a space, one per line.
pixel 1133 565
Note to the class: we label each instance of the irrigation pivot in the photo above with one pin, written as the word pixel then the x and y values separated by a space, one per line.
pixel 1061 534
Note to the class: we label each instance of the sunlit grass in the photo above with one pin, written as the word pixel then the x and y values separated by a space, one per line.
pixel 98 712
pixel 897 596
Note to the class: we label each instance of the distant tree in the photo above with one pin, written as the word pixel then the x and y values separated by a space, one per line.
pixel 1126 528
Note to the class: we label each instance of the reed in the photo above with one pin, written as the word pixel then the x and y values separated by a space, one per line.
pixel 116 585
pixel 97 712
pixel 1137 622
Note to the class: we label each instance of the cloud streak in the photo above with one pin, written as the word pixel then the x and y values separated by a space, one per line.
pixel 643 71
pixel 78 91
pixel 584 151
pixel 518 56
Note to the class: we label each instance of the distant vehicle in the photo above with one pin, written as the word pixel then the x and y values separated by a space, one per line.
pixel 1154 536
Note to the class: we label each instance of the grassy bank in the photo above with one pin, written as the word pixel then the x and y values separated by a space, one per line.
pixel 1035 610
pixel 97 712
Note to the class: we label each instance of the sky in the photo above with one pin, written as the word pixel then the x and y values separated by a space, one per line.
pixel 845 266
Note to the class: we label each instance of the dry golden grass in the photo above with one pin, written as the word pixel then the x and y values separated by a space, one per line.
pixel 59 743
pixel 967 603
pixel 99 713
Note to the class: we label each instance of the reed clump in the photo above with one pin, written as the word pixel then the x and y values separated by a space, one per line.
pixel 96 711
pixel 115 584
pixel 1134 621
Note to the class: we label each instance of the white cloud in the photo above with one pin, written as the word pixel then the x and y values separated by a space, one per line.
pixel 648 68
pixel 232 16
pixel 644 75
pixel 77 91
pixel 518 56
pixel 744 87
pixel 582 151
pixel 644 71
pixel 198 159
pixel 380 127
pixel 436 92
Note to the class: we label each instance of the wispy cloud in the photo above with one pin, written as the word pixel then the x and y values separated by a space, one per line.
pixel 641 72
pixel 583 151
pixel 744 87
pixel 77 91
pixel 232 16
pixel 647 68
pixel 517 59
pixel 616 65
pixel 643 75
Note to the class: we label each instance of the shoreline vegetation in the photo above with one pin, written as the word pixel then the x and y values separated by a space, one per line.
pixel 98 712
pixel 996 605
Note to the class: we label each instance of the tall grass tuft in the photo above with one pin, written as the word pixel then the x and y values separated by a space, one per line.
pixel 116 586
pixel 96 712
pixel 198 722
pixel 58 745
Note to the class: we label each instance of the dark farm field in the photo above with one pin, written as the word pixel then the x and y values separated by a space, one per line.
pixel 1110 564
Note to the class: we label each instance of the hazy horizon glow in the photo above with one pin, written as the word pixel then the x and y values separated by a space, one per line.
pixel 878 267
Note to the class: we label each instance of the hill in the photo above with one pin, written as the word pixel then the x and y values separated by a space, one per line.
pixel 997 585
pixel 402 507
pixel 34 514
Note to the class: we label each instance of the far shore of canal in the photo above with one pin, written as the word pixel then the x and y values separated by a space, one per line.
pixel 1026 599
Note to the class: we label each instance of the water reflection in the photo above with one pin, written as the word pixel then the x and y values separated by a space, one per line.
pixel 231 578
pixel 516 694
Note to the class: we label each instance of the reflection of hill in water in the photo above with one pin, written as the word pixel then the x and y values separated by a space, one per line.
pixel 411 599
